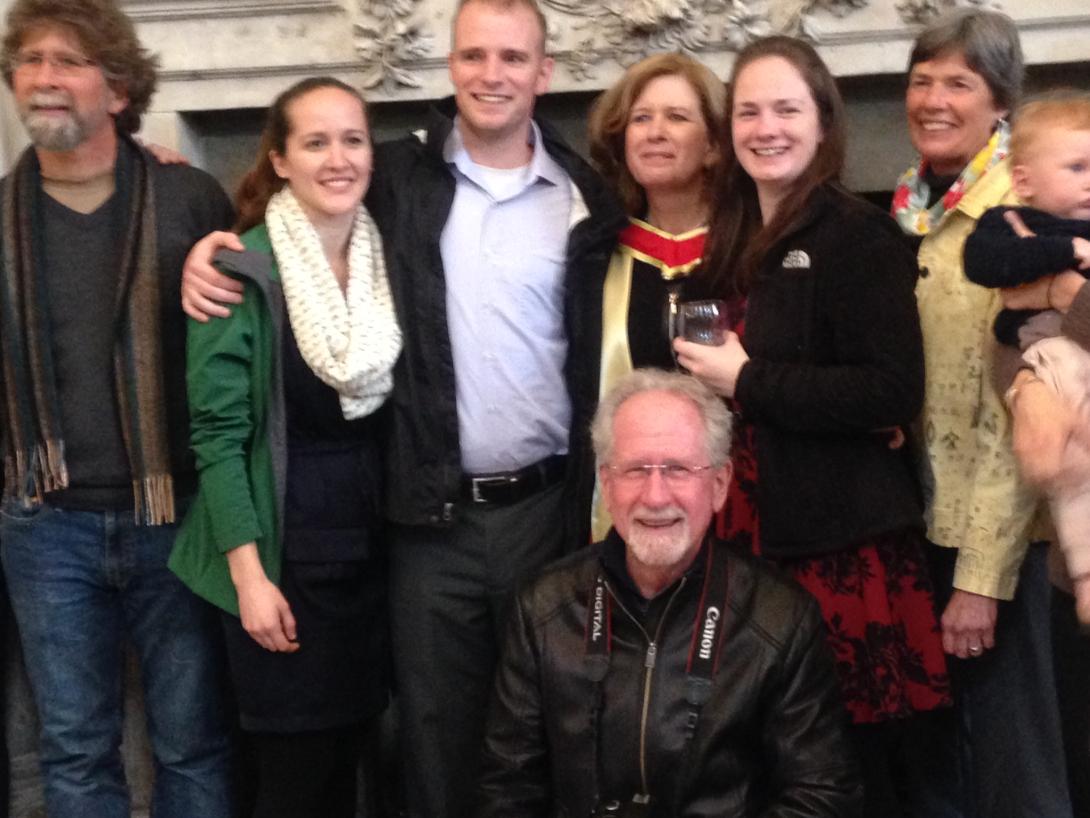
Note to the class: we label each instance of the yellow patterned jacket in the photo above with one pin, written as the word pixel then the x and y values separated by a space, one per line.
pixel 978 503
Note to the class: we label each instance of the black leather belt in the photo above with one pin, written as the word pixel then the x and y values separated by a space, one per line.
pixel 504 488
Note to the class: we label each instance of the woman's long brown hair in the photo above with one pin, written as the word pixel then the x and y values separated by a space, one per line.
pixel 738 241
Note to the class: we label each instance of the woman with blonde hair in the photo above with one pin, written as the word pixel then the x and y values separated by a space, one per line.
pixel 654 136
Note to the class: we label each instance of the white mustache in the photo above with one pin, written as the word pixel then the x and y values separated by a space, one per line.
pixel 659 515
pixel 49 99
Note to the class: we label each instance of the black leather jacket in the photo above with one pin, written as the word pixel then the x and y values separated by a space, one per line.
pixel 770 741
pixel 410 197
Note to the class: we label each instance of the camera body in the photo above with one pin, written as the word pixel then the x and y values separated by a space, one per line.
pixel 639 806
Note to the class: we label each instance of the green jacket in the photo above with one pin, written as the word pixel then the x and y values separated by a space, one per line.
pixel 238 429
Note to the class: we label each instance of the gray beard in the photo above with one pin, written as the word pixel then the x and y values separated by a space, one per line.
pixel 54 136
pixel 659 550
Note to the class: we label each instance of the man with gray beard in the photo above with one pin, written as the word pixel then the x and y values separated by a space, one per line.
pixel 97 469
pixel 658 673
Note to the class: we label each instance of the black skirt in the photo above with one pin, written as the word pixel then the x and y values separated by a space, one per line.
pixel 339 676
pixel 333 573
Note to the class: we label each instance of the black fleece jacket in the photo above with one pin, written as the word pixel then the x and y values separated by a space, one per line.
pixel 836 355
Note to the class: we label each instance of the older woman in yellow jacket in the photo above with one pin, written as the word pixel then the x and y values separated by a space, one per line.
pixel 965 75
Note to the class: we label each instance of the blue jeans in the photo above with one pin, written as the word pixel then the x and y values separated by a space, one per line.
pixel 82 584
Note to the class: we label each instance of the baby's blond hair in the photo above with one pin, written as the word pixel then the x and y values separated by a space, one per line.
pixel 1066 109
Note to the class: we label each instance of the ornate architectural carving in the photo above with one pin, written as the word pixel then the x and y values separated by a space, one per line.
pixel 627 30
pixel 923 11
pixel 743 25
pixel 222 54
pixel 390 41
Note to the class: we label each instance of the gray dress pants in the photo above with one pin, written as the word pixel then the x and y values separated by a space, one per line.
pixel 450 593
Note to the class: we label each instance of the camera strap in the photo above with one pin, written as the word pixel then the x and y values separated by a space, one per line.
pixel 704 646
pixel 599 634
pixel 599 646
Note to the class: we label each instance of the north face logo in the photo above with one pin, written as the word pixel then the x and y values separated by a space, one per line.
pixel 796 260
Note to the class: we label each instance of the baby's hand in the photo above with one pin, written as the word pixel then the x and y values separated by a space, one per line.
pixel 1082 253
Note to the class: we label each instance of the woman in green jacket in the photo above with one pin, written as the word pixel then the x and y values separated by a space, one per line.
pixel 284 535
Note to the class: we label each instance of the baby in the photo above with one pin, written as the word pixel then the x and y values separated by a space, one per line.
pixel 1050 168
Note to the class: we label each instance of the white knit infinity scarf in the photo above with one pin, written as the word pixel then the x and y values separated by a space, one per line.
pixel 349 340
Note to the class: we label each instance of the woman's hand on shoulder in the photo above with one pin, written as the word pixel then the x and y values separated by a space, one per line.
pixel 265 613
pixel 164 155
pixel 717 367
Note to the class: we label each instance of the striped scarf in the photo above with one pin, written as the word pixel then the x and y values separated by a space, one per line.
pixel 34 462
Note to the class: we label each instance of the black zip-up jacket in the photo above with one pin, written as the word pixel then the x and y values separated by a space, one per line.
pixel 410 198
pixel 836 355
pixel 770 741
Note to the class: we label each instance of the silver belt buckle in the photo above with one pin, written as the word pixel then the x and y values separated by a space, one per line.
pixel 475 484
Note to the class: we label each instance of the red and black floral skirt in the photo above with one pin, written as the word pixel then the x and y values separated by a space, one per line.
pixel 877 601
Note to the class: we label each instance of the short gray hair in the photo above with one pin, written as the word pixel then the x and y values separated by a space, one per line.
pixel 713 412
pixel 989 42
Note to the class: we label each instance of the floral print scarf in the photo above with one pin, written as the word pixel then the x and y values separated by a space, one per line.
pixel 912 192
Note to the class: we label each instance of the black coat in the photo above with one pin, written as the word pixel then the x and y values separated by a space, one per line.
pixel 770 741
pixel 836 354
pixel 410 198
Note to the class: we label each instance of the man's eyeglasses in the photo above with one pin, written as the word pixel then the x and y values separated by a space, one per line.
pixel 63 65
pixel 674 474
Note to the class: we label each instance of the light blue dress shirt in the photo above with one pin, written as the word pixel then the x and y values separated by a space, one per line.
pixel 503 250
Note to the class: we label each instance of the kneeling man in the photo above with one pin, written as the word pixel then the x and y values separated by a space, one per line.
pixel 658 673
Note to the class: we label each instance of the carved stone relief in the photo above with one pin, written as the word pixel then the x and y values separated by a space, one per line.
pixel 238 54
pixel 389 38
pixel 628 30
pixel 394 40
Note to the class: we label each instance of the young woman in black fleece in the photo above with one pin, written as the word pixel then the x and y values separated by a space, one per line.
pixel 829 356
